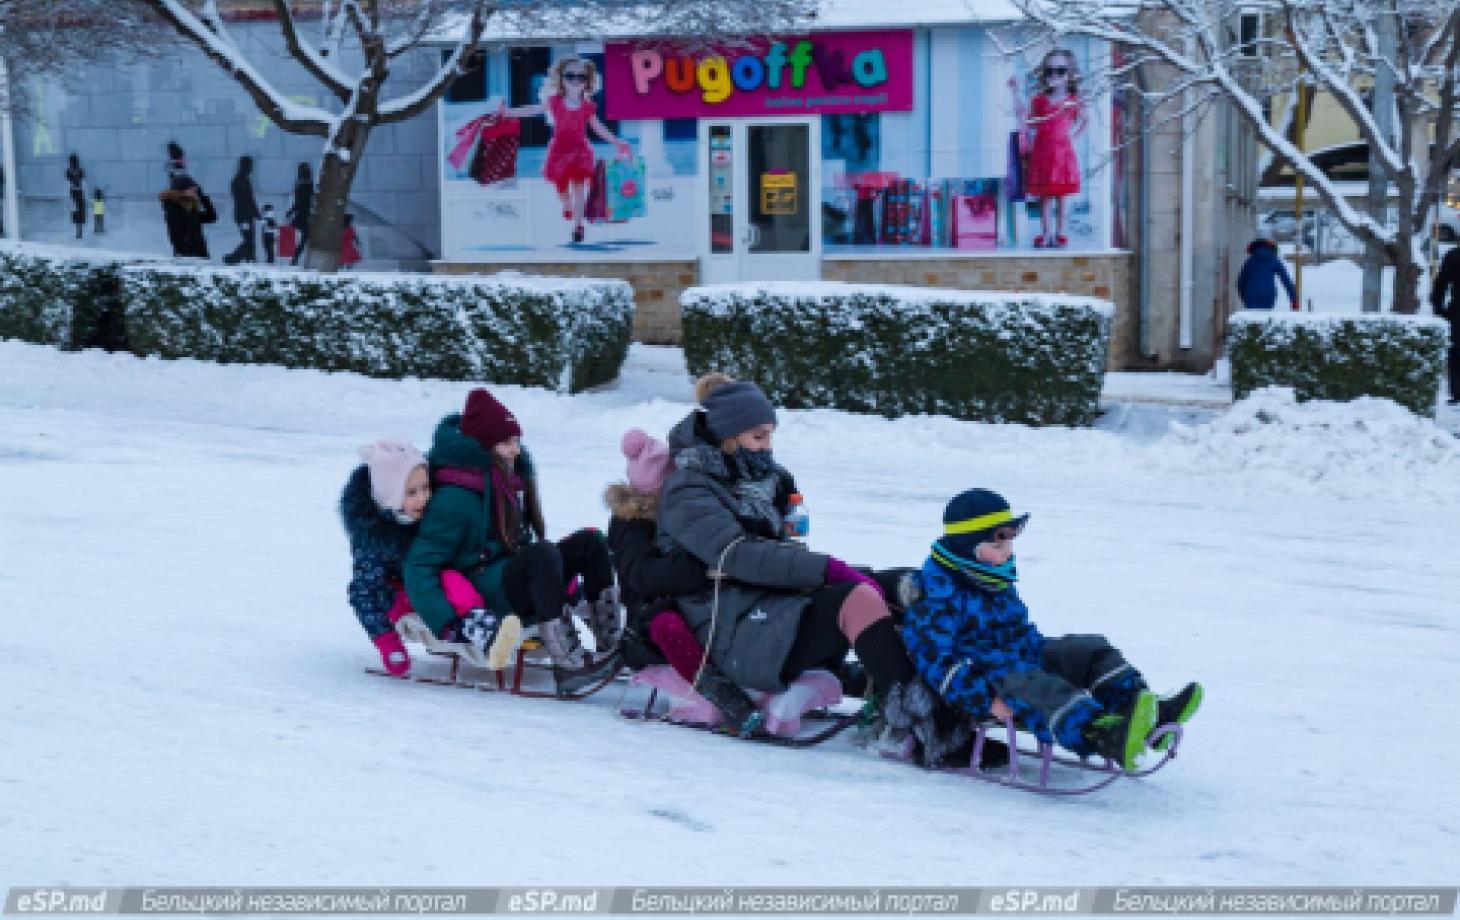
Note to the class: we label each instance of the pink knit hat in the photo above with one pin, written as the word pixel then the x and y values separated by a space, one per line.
pixel 650 461
pixel 391 463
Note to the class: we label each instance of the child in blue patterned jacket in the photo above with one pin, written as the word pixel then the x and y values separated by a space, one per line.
pixel 971 639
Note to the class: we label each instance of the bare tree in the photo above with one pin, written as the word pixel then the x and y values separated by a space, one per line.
pixel 383 30
pixel 1329 46
pixel 46 38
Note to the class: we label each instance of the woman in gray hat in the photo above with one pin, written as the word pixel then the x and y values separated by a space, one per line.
pixel 777 609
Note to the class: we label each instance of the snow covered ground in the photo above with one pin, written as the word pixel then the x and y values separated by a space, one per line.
pixel 183 696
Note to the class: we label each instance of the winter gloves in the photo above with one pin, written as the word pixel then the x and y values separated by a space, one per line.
pixel 838 572
pixel 392 654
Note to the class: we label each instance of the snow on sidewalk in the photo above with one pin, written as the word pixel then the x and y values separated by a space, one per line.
pixel 184 699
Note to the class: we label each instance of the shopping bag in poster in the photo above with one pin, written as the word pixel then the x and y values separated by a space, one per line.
pixel 288 241
pixel 496 152
pixel 975 221
pixel 624 189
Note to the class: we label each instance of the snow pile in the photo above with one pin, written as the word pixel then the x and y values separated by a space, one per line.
pixel 1368 447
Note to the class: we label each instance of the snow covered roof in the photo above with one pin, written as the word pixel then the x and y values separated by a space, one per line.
pixel 829 15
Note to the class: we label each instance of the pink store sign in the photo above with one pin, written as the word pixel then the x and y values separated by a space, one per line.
pixel 821 73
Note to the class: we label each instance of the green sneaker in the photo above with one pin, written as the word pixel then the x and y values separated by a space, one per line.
pixel 1178 708
pixel 1121 736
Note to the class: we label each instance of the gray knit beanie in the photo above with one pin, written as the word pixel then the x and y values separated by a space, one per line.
pixel 735 407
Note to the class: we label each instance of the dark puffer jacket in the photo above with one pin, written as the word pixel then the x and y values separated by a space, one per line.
pixel 963 637
pixel 649 580
pixel 458 530
pixel 708 506
pixel 379 545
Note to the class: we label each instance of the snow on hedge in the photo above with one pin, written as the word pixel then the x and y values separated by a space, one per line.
pixel 895 350
pixel 566 333
pixel 1328 356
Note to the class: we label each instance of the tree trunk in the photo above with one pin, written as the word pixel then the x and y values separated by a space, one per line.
pixel 337 172
pixel 331 197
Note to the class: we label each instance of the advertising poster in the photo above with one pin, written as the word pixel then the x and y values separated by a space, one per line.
pixel 533 167
pixel 1003 152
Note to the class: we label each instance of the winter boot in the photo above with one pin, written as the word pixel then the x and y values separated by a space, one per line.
pixel 1121 736
pixel 494 637
pixel 574 669
pixel 908 711
pixel 1176 709
pixel 854 679
pixel 393 655
pixel 741 717
pixel 604 617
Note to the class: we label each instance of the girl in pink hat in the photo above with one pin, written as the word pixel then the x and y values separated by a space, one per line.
pixel 381 505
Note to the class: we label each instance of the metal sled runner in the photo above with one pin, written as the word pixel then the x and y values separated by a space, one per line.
pixel 1102 774
pixel 528 658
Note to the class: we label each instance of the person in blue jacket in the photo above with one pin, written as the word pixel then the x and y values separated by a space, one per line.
pixel 970 637
pixel 1258 278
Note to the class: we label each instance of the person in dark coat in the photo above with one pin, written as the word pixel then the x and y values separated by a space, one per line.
pixel 971 637
pixel 1447 282
pixel 381 505
pixel 779 609
pixel 302 210
pixel 649 580
pixel 245 212
pixel 185 208
pixel 486 521
pixel 75 176
pixel 1257 280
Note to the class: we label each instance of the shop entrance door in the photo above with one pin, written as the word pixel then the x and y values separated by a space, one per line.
pixel 761 187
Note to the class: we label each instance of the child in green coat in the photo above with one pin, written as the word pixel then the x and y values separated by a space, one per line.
pixel 485 520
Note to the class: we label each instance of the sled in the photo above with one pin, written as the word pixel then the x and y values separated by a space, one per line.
pixel 530 657
pixel 1102 774
pixel 782 730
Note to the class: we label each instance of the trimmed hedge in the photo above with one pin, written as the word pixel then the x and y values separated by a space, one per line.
pixel 562 333
pixel 69 298
pixel 1340 357
pixel 1038 359
pixel 567 334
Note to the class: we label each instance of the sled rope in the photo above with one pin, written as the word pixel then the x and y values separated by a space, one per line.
pixel 717 575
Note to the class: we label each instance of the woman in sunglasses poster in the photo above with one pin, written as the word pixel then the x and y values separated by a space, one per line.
pixel 568 105
pixel 1050 122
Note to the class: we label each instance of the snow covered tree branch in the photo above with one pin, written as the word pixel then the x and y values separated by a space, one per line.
pixel 1327 46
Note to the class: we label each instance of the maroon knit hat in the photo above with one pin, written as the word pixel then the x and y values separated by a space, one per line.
pixel 487 420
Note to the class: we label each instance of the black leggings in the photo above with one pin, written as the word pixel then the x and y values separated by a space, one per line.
pixel 820 642
pixel 536 578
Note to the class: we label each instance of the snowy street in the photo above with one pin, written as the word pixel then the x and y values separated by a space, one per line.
pixel 183 696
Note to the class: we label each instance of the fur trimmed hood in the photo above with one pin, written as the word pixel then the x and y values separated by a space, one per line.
pixel 624 501
pixel 369 528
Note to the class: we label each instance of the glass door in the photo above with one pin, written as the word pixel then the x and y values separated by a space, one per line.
pixel 761 223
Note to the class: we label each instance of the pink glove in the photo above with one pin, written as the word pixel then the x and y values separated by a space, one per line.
pixel 392 654
pixel 838 572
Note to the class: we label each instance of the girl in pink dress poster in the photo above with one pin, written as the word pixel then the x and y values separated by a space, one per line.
pixel 568 106
pixel 1049 125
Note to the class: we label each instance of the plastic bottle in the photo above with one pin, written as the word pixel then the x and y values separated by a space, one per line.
pixel 798 520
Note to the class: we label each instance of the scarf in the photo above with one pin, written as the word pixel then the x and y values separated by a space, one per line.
pixel 991 578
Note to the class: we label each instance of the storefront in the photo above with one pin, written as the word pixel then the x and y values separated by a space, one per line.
pixel 928 155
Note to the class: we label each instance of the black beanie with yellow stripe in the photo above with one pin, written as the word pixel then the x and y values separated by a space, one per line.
pixel 972 516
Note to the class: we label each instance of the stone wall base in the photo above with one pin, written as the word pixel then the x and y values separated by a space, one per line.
pixel 657 285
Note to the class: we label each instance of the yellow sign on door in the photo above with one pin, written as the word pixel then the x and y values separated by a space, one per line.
pixel 778 193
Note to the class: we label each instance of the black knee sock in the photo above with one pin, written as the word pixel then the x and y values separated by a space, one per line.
pixel 880 649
